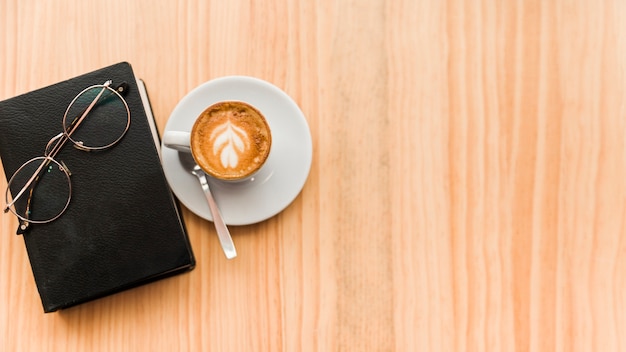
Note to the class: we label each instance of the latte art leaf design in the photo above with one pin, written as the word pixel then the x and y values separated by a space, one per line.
pixel 229 141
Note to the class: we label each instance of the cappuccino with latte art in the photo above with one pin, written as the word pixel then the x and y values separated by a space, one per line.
pixel 230 140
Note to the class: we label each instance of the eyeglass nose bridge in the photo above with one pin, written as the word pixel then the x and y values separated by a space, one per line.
pixel 52 145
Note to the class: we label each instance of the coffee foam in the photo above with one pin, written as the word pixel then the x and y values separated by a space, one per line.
pixel 230 140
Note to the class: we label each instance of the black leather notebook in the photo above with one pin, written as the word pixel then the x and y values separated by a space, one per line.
pixel 122 227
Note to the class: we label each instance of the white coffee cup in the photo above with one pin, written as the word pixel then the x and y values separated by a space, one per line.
pixel 230 140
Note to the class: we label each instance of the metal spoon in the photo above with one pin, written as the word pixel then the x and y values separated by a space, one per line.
pixel 223 234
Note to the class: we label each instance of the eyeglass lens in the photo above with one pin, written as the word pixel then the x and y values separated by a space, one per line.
pixel 47 197
pixel 105 124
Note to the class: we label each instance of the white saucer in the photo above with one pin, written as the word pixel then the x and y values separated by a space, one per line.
pixel 278 182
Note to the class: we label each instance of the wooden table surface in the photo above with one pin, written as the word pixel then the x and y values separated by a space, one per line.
pixel 466 194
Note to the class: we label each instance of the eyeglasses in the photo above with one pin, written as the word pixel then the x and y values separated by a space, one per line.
pixel 40 190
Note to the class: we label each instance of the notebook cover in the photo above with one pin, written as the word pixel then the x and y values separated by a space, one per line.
pixel 123 226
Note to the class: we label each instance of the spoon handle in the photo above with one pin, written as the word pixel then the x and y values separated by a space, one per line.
pixel 222 231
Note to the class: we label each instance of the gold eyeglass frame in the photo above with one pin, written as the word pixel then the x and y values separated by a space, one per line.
pixel 54 146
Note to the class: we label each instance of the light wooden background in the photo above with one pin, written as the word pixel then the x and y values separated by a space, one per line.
pixel 467 190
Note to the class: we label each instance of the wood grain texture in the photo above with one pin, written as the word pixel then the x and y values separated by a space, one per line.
pixel 467 189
